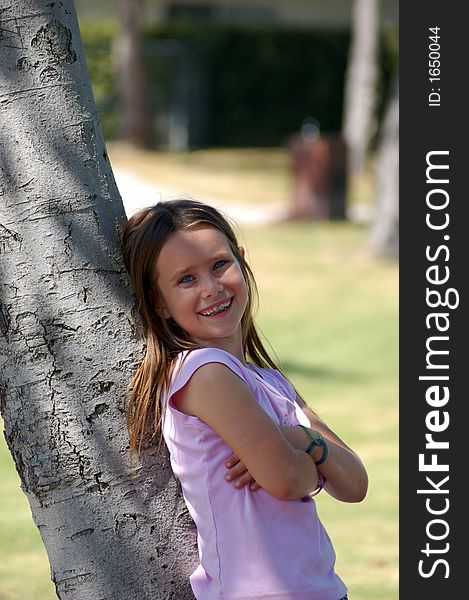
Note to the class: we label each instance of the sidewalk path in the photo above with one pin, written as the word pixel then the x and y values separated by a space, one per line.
pixel 137 194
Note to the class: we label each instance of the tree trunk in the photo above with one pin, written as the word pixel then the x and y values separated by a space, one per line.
pixel 360 84
pixel 134 126
pixel 385 227
pixel 69 334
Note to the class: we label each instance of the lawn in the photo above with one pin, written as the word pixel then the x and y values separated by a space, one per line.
pixel 259 176
pixel 233 175
pixel 329 309
pixel 330 312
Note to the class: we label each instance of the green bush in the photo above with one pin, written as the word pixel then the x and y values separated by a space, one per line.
pixel 247 87
pixel 97 38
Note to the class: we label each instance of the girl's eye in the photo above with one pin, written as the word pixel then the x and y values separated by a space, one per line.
pixel 219 264
pixel 186 279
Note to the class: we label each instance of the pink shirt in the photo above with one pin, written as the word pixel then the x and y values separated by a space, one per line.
pixel 251 544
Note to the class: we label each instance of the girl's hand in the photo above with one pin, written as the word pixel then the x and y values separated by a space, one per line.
pixel 238 473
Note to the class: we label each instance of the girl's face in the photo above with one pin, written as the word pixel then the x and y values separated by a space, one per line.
pixel 201 286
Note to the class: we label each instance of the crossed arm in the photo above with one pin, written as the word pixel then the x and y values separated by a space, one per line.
pixel 265 455
pixel 345 474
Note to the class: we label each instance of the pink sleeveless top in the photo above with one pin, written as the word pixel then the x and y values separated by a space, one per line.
pixel 251 545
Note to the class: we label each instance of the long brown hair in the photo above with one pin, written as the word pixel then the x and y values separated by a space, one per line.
pixel 143 236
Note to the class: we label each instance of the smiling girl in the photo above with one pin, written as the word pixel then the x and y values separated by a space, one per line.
pixel 248 451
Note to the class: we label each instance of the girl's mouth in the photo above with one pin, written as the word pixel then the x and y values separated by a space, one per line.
pixel 217 310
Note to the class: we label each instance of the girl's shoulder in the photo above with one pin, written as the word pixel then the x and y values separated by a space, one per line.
pixel 206 355
pixel 188 361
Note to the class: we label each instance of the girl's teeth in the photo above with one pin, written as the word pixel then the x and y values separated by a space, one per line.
pixel 216 309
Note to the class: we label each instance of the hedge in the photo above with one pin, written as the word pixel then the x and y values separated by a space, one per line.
pixel 246 87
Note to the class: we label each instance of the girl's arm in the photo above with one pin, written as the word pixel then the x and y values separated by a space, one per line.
pixel 221 399
pixel 346 477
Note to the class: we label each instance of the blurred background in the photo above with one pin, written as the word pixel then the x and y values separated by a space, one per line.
pixel 285 116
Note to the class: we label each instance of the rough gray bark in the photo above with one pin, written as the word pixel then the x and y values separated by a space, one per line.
pixel 134 125
pixel 384 234
pixel 69 338
pixel 360 84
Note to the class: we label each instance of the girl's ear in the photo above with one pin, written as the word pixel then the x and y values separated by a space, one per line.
pixel 160 308
pixel 162 311
pixel 241 251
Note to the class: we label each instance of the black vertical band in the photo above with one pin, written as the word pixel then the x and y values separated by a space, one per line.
pixel 434 197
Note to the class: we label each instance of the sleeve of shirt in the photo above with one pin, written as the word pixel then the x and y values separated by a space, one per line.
pixel 195 359
pixel 285 386
pixel 290 393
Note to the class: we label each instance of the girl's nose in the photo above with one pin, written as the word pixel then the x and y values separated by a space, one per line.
pixel 211 287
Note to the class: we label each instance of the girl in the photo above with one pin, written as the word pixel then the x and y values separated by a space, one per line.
pixel 248 451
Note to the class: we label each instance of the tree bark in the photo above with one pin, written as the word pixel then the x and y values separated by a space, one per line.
pixel 69 332
pixel 360 84
pixel 384 234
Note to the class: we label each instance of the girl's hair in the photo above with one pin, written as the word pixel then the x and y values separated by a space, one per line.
pixel 144 235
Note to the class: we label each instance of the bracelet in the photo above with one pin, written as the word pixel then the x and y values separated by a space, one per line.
pixel 325 452
pixel 321 483
pixel 319 441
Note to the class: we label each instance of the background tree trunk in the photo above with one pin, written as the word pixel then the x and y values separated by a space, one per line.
pixel 68 342
pixel 134 125
pixel 360 84
pixel 384 235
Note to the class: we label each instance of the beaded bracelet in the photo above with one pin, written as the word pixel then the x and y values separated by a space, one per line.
pixel 319 441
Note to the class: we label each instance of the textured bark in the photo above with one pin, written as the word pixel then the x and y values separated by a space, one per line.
pixel 360 84
pixel 69 334
pixel 385 227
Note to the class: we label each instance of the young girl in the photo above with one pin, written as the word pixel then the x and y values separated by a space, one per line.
pixel 247 450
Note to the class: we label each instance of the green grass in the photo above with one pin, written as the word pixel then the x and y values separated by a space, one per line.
pixel 233 175
pixel 330 311
pixel 252 176
pixel 24 570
